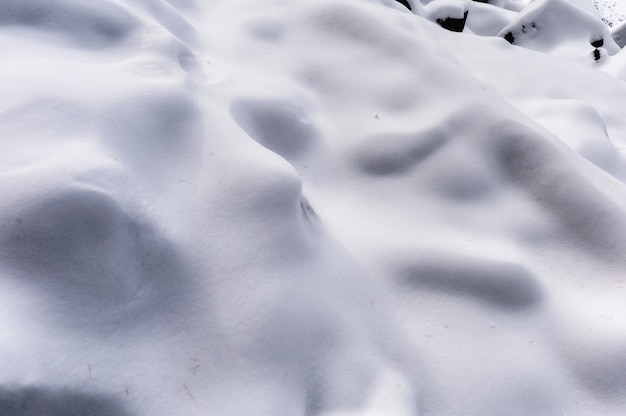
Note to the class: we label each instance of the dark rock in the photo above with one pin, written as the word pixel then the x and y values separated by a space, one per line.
pixel 597 43
pixel 454 25
pixel 596 54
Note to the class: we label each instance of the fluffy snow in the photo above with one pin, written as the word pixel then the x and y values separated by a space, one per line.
pixel 311 207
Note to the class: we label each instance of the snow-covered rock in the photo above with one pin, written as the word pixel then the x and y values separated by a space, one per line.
pixel 560 27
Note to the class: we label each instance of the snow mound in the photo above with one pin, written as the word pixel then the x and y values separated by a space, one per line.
pixel 269 207
pixel 560 27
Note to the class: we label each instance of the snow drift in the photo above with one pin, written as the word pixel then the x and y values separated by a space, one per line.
pixel 277 207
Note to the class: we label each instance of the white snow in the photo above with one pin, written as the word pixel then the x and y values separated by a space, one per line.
pixel 612 11
pixel 311 207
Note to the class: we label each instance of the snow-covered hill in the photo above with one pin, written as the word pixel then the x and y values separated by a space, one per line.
pixel 311 207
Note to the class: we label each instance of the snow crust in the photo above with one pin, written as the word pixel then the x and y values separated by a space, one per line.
pixel 312 207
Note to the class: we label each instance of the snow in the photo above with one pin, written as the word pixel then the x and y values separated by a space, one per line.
pixel 612 11
pixel 277 207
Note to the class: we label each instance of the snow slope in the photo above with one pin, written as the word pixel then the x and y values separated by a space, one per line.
pixel 311 207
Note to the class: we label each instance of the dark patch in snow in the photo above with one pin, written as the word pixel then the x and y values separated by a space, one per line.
pixel 452 24
pixel 510 38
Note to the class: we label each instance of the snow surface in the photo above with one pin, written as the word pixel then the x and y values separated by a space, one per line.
pixel 311 207
pixel 612 11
